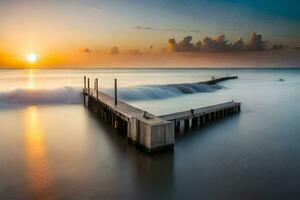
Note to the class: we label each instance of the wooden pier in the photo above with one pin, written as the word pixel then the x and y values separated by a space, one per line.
pixel 199 117
pixel 214 80
pixel 145 129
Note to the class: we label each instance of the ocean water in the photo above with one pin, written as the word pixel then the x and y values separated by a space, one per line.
pixel 51 147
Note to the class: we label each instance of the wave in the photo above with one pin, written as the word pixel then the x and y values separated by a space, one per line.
pixel 162 91
pixel 22 97
pixel 70 95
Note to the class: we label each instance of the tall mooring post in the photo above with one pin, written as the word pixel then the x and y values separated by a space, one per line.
pixel 97 87
pixel 116 94
pixel 84 90
pixel 84 82
pixel 88 82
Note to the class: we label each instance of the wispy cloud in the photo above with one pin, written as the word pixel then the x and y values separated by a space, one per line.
pixel 96 9
pixel 93 9
pixel 114 50
pixel 85 50
pixel 147 28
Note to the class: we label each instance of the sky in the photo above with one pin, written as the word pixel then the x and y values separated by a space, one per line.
pixel 58 30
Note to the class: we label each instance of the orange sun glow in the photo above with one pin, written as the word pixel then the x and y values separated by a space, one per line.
pixel 31 57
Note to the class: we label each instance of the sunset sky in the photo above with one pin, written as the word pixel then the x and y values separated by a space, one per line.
pixel 82 32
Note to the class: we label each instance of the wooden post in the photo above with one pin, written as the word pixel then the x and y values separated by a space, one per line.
pixel 88 82
pixel 116 94
pixel 177 126
pixel 84 78
pixel 201 121
pixel 186 124
pixel 84 101
pixel 97 87
pixel 84 90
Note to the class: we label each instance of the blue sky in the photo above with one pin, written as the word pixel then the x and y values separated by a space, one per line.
pixel 106 23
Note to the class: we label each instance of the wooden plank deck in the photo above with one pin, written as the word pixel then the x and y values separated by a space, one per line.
pixel 217 80
pixel 125 109
pixel 199 111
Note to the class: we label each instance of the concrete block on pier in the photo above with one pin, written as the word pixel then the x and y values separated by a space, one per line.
pixel 146 130
pixel 152 134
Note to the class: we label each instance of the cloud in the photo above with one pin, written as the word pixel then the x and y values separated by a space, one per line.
pixel 96 9
pixel 279 46
pixel 218 44
pixel 85 50
pixel 114 50
pixel 172 45
pixel 136 52
pixel 255 42
pixel 208 44
pixel 238 44
pixel 186 45
pixel 146 28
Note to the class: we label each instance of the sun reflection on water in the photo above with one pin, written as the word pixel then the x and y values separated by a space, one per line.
pixel 31 82
pixel 39 173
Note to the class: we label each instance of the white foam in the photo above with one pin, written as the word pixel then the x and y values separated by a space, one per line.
pixel 70 95
pixel 162 91
pixel 23 97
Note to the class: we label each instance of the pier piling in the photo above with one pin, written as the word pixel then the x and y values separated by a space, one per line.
pixel 84 82
pixel 89 90
pixel 116 94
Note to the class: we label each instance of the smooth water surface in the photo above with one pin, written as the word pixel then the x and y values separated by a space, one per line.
pixel 51 147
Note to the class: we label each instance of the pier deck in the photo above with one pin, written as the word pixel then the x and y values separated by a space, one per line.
pixel 199 117
pixel 199 111
pixel 217 80
pixel 123 109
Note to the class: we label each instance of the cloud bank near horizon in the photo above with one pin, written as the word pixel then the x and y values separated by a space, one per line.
pixel 218 44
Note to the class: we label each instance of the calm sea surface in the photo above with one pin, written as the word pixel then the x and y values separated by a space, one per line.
pixel 51 147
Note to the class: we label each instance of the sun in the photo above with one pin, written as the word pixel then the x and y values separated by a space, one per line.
pixel 31 57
